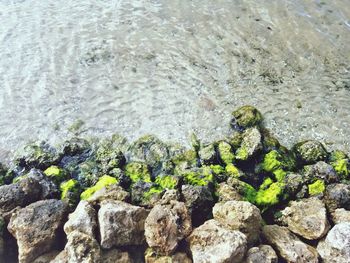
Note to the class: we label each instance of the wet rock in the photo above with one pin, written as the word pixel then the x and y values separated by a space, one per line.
pixel 306 218
pixel 335 248
pixel 112 192
pixel 199 200
pixel 251 144
pixel 211 242
pixel 226 192
pixel 166 226
pixel 322 171
pixel 83 219
pixel 82 248
pixel 240 215
pixel 46 257
pixel 309 152
pixel 337 196
pixel 121 224
pixel 288 245
pixel 246 116
pixel 115 256
pixel 36 228
pixel 340 215
pixel 48 188
pixel 207 154
pixel 261 254
pixel 109 157
pixel 75 146
pixel 178 257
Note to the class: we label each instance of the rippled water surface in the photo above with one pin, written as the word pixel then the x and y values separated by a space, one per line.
pixel 172 67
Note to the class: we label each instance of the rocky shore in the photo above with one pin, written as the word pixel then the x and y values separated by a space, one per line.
pixel 244 198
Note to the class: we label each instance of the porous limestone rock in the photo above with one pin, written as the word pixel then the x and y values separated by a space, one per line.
pixel 261 254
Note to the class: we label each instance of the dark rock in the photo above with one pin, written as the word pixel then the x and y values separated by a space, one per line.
pixel 337 196
pixel 320 170
pixel 309 152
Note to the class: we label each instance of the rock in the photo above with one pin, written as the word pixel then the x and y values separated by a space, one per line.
pixel 294 183
pixel 251 144
pixel 83 219
pixel 2 247
pixel 207 154
pixel 112 192
pixel 246 116
pixel 320 170
pixel 225 152
pixel 60 258
pixel 199 200
pixel 335 248
pixel 166 226
pixel 48 257
pixel 213 243
pixel 306 218
pixel 178 257
pixel 36 228
pixel 337 196
pixel 75 146
pixel 170 195
pixel 121 224
pixel 115 256
pixel 289 245
pixel 226 192
pixel 48 189
pixel 240 215
pixel 340 215
pixel 261 254
pixel 309 152
pixel 81 248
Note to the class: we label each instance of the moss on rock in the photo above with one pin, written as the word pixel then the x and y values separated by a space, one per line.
pixel 246 116
pixel 55 173
pixel 225 152
pixel 138 171
pixel 316 188
pixel 270 195
pixel 309 152
pixel 70 191
pixel 102 182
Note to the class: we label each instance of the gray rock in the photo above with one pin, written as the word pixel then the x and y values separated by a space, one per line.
pixel 337 196
pixel 288 245
pixel 207 154
pixel 199 200
pixel 240 215
pixel 121 224
pixel 166 226
pixel 35 227
pixel 48 189
pixel 251 144
pixel 310 152
pixel 213 243
pixel 178 257
pixel 112 192
pixel 335 248
pixel 320 170
pixel 115 256
pixel 170 195
pixel 307 218
pixel 83 219
pixel 261 254
pixel 227 193
pixel 82 248
pixel 340 215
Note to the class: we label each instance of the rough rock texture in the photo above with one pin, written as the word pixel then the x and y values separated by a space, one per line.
pixel 170 195
pixel 337 196
pixel 35 228
pixel 340 215
pixel 82 248
pixel 166 226
pixel 261 254
pixel 289 245
pixel 178 257
pixel 115 256
pixel 112 192
pixel 60 258
pixel 121 224
pixel 213 243
pixel 246 116
pixel 240 215
pixel 227 193
pixel 46 257
pixel 320 170
pixel 307 218
pixel 83 219
pixel 2 247
pixel 310 152
pixel 199 200
pixel 48 189
pixel 335 248
pixel 207 154
pixel 251 144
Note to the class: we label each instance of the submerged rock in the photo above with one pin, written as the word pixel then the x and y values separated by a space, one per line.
pixel 166 226
pixel 335 248
pixel 240 215
pixel 36 228
pixel 121 224
pixel 246 116
pixel 261 254
pixel 213 243
pixel 307 218
pixel 289 247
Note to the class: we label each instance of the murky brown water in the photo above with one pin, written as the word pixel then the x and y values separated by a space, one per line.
pixel 172 67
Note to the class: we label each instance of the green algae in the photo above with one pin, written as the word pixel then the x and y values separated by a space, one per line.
pixel 242 153
pixel 167 181
pixel 269 196
pixel 341 167
pixel 316 188
pixel 138 171
pixel 272 161
pixel 104 181
pixel 225 152
pixel 55 173
pixel 279 174
pixel 247 116
pixel 67 187
pixel 232 171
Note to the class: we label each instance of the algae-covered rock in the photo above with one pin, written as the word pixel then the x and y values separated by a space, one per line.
pixel 246 116
pixel 341 163
pixel 276 160
pixel 55 173
pixel 247 191
pixel 70 191
pixel 75 146
pixel 270 194
pixel 138 171
pixel 306 218
pixel 211 242
pixel 109 158
pixel 251 144
pixel 322 171
pixel 261 254
pixel 309 152
pixel 208 155
pixel 240 215
pixel 316 188
pixel 225 152
pixel 104 181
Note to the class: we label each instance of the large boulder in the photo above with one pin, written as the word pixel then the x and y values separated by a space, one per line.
pixel 335 248
pixel 121 224
pixel 309 152
pixel 251 144
pixel 340 215
pixel 226 192
pixel 112 192
pixel 36 228
pixel 240 215
pixel 288 245
pixel 83 219
pixel 307 218
pixel 337 196
pixel 261 254
pixel 213 243
pixel 166 226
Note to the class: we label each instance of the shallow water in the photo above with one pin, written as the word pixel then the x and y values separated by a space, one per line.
pixel 172 67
